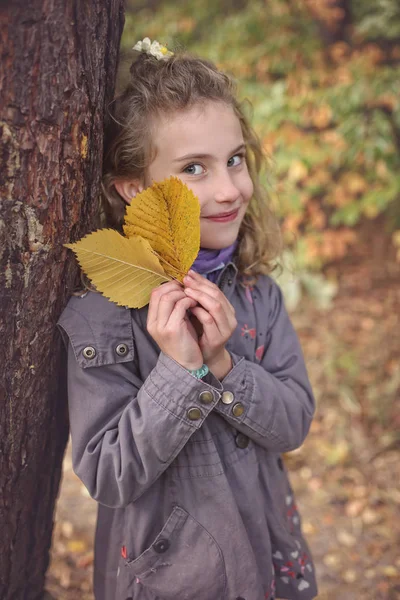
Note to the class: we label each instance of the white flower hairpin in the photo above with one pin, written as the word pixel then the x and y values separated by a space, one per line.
pixel 154 48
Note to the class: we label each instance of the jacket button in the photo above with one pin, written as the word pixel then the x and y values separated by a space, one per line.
pixel 194 414
pixel 89 352
pixel 238 409
pixel 241 440
pixel 121 349
pixel 161 546
pixel 227 397
pixel 206 397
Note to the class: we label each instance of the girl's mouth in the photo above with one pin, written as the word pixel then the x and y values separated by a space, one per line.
pixel 231 216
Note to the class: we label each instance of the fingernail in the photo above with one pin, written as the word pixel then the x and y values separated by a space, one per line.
pixel 191 272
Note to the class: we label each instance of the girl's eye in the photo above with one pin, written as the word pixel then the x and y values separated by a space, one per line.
pixel 235 160
pixel 194 169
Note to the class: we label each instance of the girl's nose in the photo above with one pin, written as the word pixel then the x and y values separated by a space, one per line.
pixel 226 191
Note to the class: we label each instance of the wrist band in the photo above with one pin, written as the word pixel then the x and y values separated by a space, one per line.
pixel 199 373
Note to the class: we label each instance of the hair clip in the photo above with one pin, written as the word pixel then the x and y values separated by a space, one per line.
pixel 154 48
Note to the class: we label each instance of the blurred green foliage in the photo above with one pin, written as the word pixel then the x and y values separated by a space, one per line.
pixel 324 81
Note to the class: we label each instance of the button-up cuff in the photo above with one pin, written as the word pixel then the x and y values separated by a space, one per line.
pixel 176 390
pixel 237 390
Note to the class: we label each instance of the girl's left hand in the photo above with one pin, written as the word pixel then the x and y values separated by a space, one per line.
pixel 215 313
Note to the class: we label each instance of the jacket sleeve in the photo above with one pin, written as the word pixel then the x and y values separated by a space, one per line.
pixel 126 432
pixel 274 397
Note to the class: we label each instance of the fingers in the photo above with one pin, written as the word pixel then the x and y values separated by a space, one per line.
pixel 198 282
pixel 167 304
pixel 210 329
pixel 163 302
pixel 179 313
pixel 214 312
pixel 155 298
pixel 219 308
pixel 195 279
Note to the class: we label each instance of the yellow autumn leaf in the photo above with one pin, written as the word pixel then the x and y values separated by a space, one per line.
pixel 76 546
pixel 322 116
pixel 167 214
pixel 297 171
pixel 124 270
pixel 396 238
pixel 354 183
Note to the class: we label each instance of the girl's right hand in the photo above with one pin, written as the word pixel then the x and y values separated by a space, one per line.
pixel 169 325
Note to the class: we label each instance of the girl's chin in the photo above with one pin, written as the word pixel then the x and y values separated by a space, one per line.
pixel 219 240
pixel 217 244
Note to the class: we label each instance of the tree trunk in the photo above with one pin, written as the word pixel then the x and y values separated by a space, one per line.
pixel 57 72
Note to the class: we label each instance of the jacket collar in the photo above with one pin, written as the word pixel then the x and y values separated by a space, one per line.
pixel 227 278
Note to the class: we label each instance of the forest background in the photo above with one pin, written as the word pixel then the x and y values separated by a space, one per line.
pixel 323 81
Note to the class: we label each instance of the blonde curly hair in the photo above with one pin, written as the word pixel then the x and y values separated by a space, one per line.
pixel 160 87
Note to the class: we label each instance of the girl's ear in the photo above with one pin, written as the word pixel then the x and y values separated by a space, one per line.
pixel 128 188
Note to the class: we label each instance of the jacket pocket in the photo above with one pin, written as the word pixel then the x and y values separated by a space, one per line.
pixel 183 562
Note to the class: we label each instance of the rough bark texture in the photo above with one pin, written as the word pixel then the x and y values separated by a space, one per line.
pixel 57 71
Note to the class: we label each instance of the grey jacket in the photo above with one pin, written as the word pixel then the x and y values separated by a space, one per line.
pixel 194 499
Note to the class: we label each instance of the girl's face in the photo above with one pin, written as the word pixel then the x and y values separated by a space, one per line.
pixel 204 147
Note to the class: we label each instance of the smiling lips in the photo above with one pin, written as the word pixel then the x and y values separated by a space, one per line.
pixel 224 217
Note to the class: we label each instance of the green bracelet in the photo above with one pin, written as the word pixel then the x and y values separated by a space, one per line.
pixel 199 373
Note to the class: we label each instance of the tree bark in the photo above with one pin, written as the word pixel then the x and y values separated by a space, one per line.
pixel 57 72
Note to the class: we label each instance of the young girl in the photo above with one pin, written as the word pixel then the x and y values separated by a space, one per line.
pixel 180 411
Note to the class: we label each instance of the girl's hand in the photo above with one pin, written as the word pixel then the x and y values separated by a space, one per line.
pixel 169 324
pixel 217 317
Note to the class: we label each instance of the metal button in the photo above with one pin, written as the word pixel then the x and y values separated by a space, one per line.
pixel 206 397
pixel 227 397
pixel 194 414
pixel 161 546
pixel 242 441
pixel 121 349
pixel 89 352
pixel 238 409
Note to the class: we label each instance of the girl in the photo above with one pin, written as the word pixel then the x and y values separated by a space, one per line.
pixel 180 411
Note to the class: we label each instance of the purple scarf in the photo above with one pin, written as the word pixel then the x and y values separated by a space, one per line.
pixel 210 262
